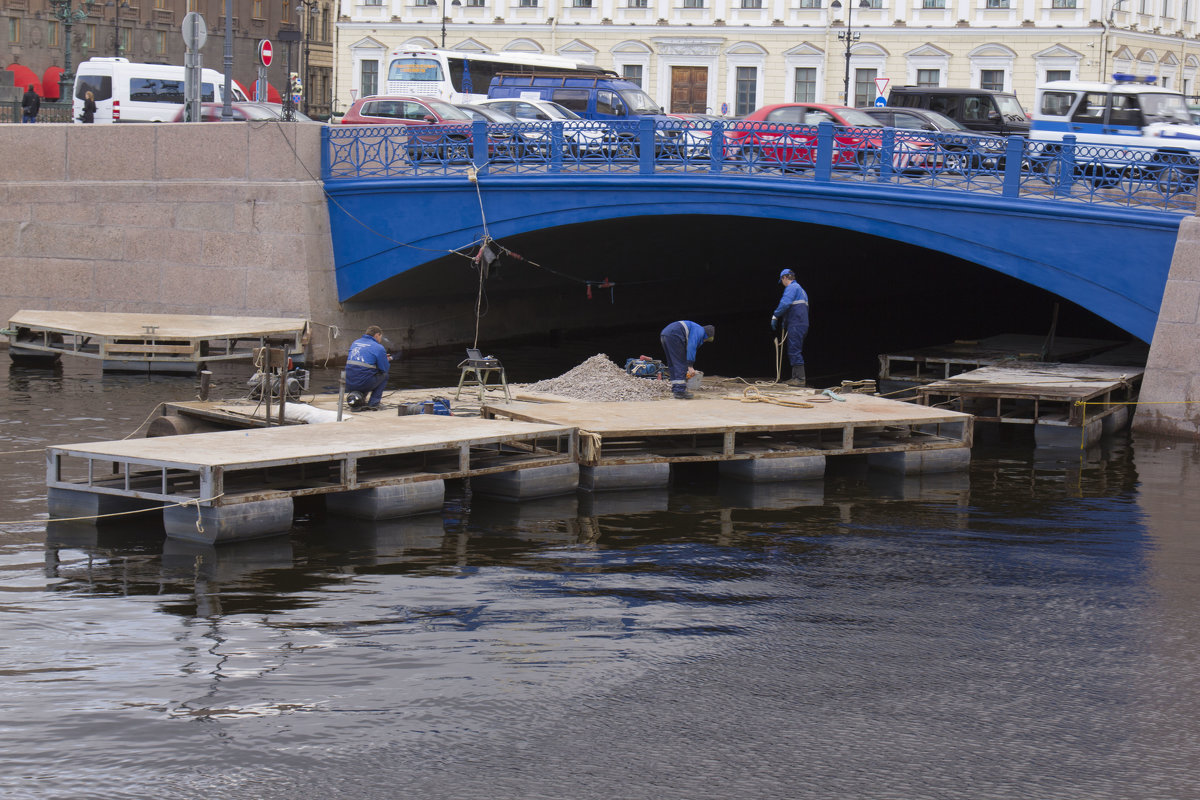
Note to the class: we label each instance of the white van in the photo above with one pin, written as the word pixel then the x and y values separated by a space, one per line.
pixel 131 92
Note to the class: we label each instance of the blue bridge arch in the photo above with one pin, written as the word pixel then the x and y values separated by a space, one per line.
pixel 1108 258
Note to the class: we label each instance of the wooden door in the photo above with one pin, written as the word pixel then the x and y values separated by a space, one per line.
pixel 689 90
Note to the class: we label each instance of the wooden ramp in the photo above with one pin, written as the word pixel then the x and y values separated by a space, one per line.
pixel 922 365
pixel 230 467
pixel 728 429
pixel 150 342
pixel 1038 394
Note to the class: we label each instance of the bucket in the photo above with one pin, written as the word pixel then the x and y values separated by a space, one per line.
pixel 693 383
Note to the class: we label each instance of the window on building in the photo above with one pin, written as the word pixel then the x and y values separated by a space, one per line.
pixel 751 3
pixel 125 41
pixel 257 9
pixel 286 6
pixel 638 4
pixel 997 4
pixel 1166 9
pixel 326 21
pixel 14 30
pixel 933 3
pixel 864 86
pixel 368 78
pixel 632 73
pixel 476 3
pixel 929 77
pixel 160 42
pixel 89 37
pixel 746 91
pixel 874 3
pixel 52 34
pixel 581 3
pixel 1186 11
pixel 1058 75
pixel 992 79
pixel 1062 3
pixel 693 3
pixel 806 85
pixel 528 3
pixel 811 4
pixel 160 3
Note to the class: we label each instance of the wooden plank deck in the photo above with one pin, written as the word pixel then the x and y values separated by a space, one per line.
pixel 1041 394
pixel 727 429
pixel 160 339
pixel 247 465
pixel 921 365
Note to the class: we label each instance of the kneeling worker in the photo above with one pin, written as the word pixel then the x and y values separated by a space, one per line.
pixel 680 340
pixel 367 366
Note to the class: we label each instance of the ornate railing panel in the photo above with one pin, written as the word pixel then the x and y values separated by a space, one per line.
pixel 1143 178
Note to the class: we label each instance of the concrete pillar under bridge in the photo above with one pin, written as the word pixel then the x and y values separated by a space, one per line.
pixel 1169 401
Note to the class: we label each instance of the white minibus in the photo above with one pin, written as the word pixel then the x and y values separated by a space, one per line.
pixel 132 92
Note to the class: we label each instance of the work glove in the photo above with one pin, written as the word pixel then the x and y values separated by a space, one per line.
pixel 774 323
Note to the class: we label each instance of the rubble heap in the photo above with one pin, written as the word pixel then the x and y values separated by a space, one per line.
pixel 599 378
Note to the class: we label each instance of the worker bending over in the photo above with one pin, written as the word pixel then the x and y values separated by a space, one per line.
pixel 367 366
pixel 793 312
pixel 680 340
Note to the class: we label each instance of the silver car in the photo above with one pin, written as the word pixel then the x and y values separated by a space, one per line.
pixel 582 136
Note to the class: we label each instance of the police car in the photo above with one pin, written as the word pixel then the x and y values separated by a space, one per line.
pixel 1130 119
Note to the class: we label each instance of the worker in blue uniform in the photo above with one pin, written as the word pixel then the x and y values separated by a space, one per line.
pixel 367 366
pixel 792 314
pixel 680 341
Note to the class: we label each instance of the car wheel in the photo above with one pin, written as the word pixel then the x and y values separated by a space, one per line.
pixel 867 160
pixel 955 161
pixel 456 151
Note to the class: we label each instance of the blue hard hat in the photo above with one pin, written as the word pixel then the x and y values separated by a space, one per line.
pixel 786 273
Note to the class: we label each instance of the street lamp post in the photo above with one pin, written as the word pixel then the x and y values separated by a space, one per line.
pixel 64 12
pixel 307 10
pixel 849 36
pixel 1105 39
pixel 117 6
pixel 454 3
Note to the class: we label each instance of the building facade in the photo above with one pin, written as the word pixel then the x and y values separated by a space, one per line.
pixel 33 35
pixel 730 56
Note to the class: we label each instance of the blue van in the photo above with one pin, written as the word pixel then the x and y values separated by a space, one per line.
pixel 591 97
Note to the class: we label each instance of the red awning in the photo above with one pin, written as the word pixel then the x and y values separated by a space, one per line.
pixel 249 94
pixel 273 95
pixel 50 82
pixel 24 77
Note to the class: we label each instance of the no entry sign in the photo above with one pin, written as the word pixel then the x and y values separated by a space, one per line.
pixel 265 52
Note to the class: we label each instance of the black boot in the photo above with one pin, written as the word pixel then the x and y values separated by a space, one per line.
pixel 797 378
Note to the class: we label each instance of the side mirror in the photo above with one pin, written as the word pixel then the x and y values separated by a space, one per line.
pixel 430 118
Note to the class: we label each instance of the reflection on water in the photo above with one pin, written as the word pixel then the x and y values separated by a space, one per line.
pixel 1022 630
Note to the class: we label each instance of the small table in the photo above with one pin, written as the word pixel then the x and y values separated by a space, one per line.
pixel 477 369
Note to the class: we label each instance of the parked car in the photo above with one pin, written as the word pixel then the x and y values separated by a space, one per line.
pixel 582 137
pixel 515 142
pixel 213 112
pixel 961 147
pixel 438 130
pixel 695 134
pixel 984 110
pixel 784 135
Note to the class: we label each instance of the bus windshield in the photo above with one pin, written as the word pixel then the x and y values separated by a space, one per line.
pixel 415 69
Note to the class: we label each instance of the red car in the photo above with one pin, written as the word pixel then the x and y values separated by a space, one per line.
pixel 773 136
pixel 442 131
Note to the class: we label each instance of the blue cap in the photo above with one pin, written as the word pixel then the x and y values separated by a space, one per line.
pixel 786 273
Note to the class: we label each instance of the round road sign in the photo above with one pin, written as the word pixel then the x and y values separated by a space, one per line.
pixel 880 101
pixel 265 52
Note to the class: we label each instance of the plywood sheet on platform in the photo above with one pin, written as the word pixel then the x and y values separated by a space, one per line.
pixel 1061 381
pixel 1008 347
pixel 181 326
pixel 653 417
pixel 296 443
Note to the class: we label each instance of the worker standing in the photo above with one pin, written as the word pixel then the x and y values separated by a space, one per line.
pixel 680 341
pixel 792 311
pixel 367 366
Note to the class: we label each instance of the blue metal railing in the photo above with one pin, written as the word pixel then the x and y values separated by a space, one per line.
pixel 1143 178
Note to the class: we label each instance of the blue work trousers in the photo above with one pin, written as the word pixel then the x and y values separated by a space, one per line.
pixel 795 322
pixel 674 345
pixel 369 382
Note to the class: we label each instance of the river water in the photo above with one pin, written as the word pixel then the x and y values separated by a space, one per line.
pixel 1026 630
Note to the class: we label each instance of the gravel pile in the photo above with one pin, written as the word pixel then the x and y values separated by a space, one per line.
pixel 599 378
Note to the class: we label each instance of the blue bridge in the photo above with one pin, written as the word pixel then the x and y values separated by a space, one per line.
pixel 1096 226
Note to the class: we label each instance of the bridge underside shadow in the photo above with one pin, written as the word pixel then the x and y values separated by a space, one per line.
pixel 1112 262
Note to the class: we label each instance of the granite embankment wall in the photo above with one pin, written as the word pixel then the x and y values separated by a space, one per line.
pixel 222 219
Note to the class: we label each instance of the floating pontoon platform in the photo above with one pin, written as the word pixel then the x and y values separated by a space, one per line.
pixel 911 368
pixel 676 431
pixel 149 342
pixel 1068 404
